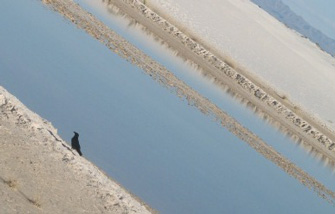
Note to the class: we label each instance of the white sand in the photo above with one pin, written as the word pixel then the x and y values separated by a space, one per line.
pixel 291 119
pixel 273 55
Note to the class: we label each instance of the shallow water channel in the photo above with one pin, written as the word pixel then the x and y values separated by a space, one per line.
pixel 166 152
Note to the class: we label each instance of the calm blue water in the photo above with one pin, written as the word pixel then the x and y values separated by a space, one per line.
pixel 193 78
pixel 166 152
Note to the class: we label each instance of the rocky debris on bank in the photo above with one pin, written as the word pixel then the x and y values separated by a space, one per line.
pixel 39 173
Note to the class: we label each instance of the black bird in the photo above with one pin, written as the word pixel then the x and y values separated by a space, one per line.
pixel 75 143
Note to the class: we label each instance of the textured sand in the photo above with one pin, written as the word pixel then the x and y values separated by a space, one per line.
pixel 39 173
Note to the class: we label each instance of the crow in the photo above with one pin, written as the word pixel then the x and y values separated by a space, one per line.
pixel 75 143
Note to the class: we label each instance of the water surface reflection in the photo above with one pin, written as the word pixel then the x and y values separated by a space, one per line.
pixel 276 135
pixel 189 72
pixel 164 151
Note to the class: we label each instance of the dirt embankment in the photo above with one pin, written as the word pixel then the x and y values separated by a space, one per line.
pixel 39 173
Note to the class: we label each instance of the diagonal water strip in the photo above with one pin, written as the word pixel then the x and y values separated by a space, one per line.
pixel 117 44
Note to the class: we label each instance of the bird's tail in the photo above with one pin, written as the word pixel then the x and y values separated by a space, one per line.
pixel 79 152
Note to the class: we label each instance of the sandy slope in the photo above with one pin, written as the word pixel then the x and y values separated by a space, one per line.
pixel 39 173
pixel 275 57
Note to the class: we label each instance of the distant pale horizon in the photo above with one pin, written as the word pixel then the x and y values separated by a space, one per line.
pixel 318 13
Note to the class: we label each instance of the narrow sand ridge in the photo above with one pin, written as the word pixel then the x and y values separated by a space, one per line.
pixel 292 120
pixel 39 173
pixel 117 44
